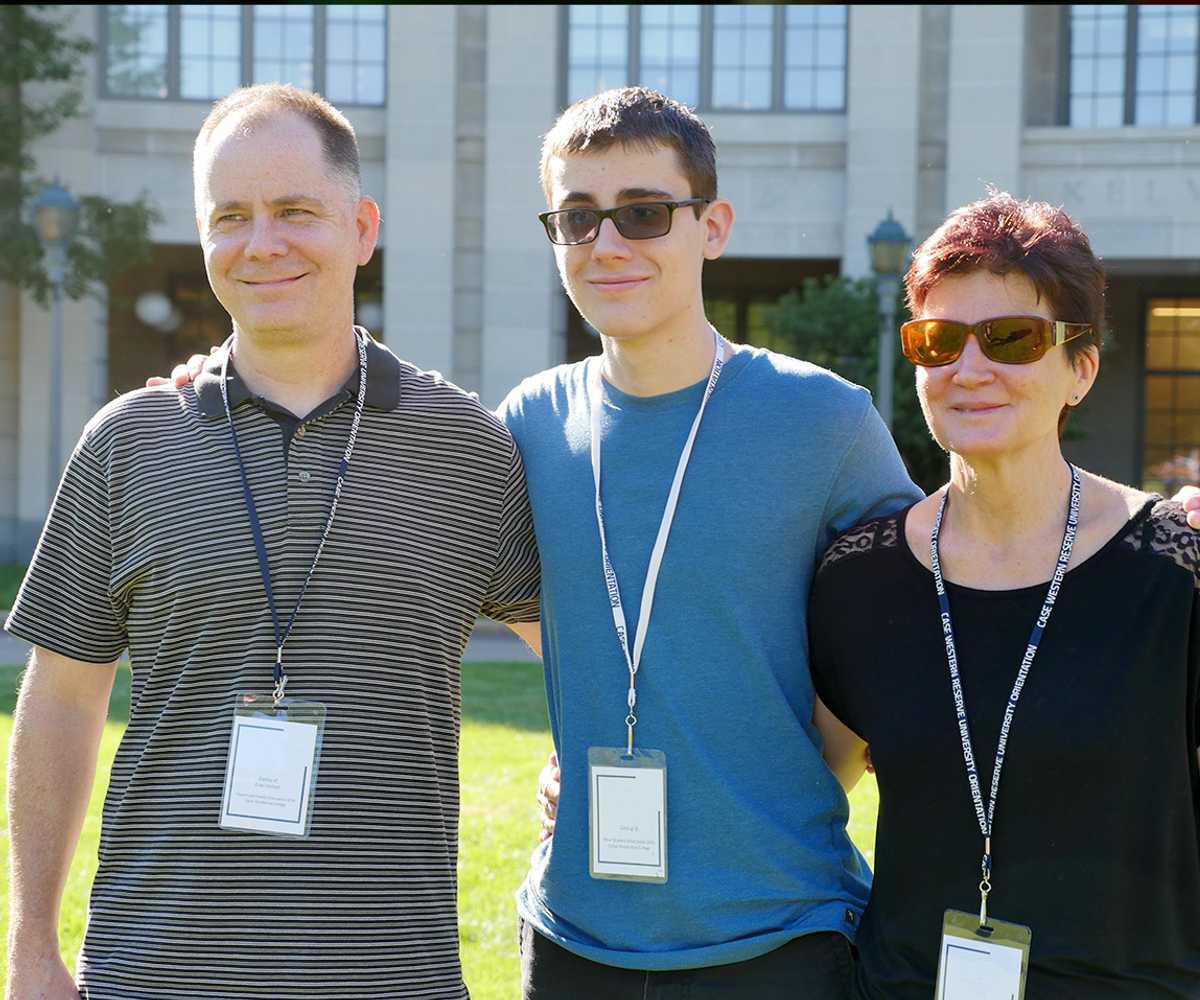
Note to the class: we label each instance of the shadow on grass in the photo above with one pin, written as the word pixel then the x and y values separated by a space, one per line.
pixel 506 694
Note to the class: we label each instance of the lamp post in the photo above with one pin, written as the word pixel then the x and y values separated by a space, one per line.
pixel 889 253
pixel 55 213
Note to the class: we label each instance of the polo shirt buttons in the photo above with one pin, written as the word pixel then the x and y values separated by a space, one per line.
pixel 304 476
pixel 300 431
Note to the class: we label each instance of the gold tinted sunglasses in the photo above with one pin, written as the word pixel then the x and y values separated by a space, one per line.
pixel 1010 340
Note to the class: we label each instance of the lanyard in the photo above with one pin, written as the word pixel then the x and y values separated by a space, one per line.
pixel 260 545
pixel 664 529
pixel 1035 638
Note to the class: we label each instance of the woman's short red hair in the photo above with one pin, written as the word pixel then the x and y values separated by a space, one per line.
pixel 1003 235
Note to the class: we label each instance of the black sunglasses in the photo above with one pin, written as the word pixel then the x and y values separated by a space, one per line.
pixel 641 220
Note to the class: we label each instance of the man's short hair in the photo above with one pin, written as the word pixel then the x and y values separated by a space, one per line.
pixel 637 118
pixel 263 101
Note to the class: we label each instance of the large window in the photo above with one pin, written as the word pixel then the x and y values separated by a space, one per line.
pixel 815 57
pixel 210 50
pixel 737 57
pixel 203 51
pixel 1171 444
pixel 355 53
pixel 1165 85
pixel 136 63
pixel 283 44
pixel 1133 65
pixel 669 50
pixel 743 56
pixel 598 41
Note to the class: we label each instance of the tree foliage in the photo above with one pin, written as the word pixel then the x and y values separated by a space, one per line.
pixel 111 236
pixel 834 322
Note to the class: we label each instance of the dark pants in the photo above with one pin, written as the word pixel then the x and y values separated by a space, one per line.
pixel 813 967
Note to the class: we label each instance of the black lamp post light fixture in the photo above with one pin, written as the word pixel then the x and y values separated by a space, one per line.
pixel 889 245
pixel 55 216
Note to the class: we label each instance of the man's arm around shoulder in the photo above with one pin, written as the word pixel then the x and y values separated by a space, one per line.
pixel 52 763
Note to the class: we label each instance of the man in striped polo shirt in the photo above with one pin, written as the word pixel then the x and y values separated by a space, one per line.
pixel 348 553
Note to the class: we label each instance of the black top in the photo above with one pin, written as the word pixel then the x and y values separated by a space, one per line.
pixel 1096 844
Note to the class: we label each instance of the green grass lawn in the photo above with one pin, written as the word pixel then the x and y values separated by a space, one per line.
pixel 505 741
pixel 11 575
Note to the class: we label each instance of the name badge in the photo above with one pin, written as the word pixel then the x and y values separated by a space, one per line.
pixel 982 963
pixel 627 814
pixel 271 775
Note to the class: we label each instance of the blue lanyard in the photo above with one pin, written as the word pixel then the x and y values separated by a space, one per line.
pixel 260 546
pixel 1035 638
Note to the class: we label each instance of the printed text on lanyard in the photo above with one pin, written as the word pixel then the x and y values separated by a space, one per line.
pixel 634 659
pixel 1035 638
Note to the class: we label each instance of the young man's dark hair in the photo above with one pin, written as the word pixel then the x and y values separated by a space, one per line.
pixel 636 118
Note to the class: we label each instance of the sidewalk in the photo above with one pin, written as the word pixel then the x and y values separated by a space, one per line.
pixel 12 651
pixel 489 641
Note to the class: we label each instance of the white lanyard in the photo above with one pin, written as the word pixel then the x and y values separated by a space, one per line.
pixel 633 661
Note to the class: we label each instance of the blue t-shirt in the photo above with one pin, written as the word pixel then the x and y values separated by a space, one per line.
pixel 788 456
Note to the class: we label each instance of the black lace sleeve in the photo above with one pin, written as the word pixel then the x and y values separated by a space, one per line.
pixel 1165 532
pixel 881 533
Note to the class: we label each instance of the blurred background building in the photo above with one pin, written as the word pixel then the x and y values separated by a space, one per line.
pixel 826 117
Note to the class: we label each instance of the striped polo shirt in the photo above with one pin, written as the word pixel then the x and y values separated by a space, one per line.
pixel 148 547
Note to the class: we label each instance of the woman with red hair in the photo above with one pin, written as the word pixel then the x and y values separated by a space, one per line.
pixel 1029 680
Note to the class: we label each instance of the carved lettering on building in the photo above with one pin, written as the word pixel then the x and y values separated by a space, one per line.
pixel 1120 194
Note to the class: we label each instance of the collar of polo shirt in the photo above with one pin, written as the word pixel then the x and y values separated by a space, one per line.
pixel 383 381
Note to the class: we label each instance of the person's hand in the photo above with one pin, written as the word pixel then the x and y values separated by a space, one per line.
pixel 39 976
pixel 181 375
pixel 1189 496
pixel 548 791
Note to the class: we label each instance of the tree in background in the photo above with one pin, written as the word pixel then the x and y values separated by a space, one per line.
pixel 111 236
pixel 834 322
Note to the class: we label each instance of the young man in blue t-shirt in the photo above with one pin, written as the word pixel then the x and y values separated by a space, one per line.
pixel 700 837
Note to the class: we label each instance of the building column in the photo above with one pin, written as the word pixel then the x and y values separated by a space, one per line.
pixel 882 118
pixel 520 306
pixel 418 277
pixel 987 73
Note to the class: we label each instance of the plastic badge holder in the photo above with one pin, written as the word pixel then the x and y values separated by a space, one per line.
pixel 271 776
pixel 638 852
